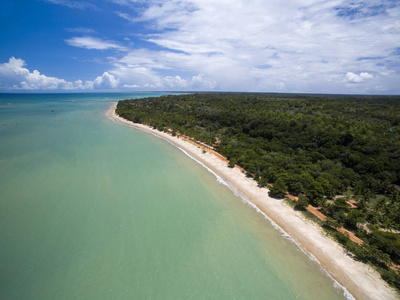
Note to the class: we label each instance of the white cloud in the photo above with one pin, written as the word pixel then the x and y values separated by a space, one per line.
pixel 141 68
pixel 131 86
pixel 106 81
pixel 121 2
pixel 201 82
pixel 81 30
pixel 258 45
pixel 354 78
pixel 175 82
pixel 136 75
pixel 89 42
pixel 125 16
pixel 72 4
pixel 243 45
pixel 13 76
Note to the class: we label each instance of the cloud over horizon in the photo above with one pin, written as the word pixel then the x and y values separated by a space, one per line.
pixel 355 78
pixel 304 45
pixel 13 76
pixel 309 46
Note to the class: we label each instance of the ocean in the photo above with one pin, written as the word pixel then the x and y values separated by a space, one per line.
pixel 90 209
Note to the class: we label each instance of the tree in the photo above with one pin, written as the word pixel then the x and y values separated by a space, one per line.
pixel 354 217
pixel 295 187
pixel 278 190
pixel 315 192
pixel 232 163
pixel 331 223
pixel 302 203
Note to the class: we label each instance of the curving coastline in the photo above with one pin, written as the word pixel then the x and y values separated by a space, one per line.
pixel 361 281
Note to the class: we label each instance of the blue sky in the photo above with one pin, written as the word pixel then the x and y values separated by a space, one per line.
pixel 306 46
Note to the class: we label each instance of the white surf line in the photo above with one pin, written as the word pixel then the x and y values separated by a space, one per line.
pixel 237 193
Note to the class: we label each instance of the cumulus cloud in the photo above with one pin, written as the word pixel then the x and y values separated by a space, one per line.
pixel 354 78
pixel 243 45
pixel 176 82
pixel 131 74
pixel 201 82
pixel 14 76
pixel 106 81
pixel 143 69
pixel 140 77
pixel 307 44
pixel 89 42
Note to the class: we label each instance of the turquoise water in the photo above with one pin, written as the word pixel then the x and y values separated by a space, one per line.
pixel 90 209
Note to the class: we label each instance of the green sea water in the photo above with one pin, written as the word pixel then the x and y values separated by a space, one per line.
pixel 90 209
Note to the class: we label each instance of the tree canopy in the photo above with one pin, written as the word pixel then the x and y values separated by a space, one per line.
pixel 329 149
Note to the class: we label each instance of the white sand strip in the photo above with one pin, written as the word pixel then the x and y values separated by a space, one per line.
pixel 360 280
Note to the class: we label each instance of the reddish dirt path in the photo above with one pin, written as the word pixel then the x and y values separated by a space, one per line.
pixel 322 217
pixel 310 208
pixel 204 147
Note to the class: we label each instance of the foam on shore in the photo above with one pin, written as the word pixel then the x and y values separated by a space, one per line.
pixel 362 287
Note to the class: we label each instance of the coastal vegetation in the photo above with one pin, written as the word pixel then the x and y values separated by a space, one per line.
pixel 338 153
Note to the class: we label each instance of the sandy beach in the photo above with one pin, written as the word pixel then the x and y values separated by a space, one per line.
pixel 360 280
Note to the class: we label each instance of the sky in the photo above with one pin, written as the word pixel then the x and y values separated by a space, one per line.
pixel 291 46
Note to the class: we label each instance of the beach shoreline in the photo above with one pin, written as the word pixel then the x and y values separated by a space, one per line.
pixel 360 280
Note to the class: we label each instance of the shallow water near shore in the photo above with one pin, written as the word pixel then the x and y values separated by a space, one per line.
pixel 94 210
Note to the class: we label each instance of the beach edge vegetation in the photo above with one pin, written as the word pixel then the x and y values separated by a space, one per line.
pixel 337 153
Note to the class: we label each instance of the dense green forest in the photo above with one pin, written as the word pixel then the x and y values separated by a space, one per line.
pixel 330 150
